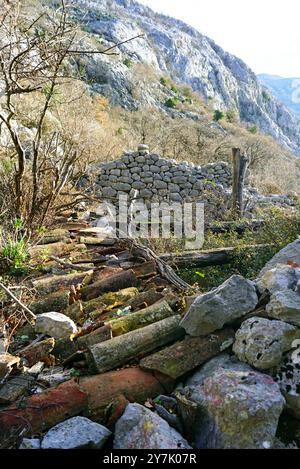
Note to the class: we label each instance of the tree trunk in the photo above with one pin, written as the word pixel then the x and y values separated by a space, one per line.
pixel 53 283
pixel 57 301
pixel 184 356
pixel 145 299
pixel 240 166
pixel 212 257
pixel 122 349
pixel 142 318
pixel 113 283
pixel 34 353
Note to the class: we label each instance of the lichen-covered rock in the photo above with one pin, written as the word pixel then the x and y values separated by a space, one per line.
pixel 285 305
pixel 262 342
pixel 211 311
pixel 56 325
pixel 290 253
pixel 224 360
pixel 232 409
pixel 288 379
pixel 76 433
pixel 139 428
pixel 278 278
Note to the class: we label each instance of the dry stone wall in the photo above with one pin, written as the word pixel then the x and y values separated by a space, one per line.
pixel 157 178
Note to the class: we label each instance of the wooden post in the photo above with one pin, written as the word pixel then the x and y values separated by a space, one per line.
pixel 240 166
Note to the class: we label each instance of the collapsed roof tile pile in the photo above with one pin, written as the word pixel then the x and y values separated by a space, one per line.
pixel 107 347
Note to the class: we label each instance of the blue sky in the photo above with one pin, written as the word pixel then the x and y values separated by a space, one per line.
pixel 264 33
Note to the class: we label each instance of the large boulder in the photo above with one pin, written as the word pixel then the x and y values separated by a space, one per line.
pixel 224 360
pixel 232 409
pixel 56 325
pixel 289 254
pixel 139 428
pixel 278 278
pixel 211 311
pixel 288 379
pixel 285 305
pixel 76 433
pixel 262 342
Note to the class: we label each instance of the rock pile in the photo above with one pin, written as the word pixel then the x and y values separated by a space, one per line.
pixel 140 369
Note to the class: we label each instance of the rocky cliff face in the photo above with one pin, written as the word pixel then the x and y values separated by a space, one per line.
pixel 287 90
pixel 173 48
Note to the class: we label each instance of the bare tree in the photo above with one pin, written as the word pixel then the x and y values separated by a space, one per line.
pixel 35 60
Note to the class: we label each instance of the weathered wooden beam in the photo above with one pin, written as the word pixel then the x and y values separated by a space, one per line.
pixel 145 299
pixel 120 350
pixel 134 384
pixel 130 322
pixel 36 352
pixel 57 301
pixel 113 283
pixel 49 284
pixel 207 258
pixel 238 227
pixel 184 356
pixel 240 166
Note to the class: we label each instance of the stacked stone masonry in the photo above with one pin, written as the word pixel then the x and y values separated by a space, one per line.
pixel 157 178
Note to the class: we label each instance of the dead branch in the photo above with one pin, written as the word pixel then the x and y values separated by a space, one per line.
pixel 9 293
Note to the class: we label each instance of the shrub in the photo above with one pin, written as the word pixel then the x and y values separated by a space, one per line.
pixel 163 81
pixel 218 115
pixel 265 96
pixel 253 130
pixel 231 116
pixel 128 62
pixel 171 102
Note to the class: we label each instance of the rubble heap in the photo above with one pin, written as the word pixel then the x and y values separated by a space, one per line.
pixel 110 353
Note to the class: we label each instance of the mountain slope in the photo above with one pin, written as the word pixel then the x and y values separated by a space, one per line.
pixel 171 47
pixel 287 90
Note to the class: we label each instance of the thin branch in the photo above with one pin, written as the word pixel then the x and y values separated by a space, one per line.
pixel 105 51
pixel 69 265
pixel 9 293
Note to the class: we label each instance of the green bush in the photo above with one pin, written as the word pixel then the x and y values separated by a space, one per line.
pixel 218 115
pixel 253 129
pixel 171 102
pixel 128 62
pixel 174 89
pixel 231 116
pixel 266 97
pixel 163 81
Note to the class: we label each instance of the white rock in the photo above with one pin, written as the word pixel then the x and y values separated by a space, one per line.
pixel 75 433
pixel 211 311
pixel 262 342
pixel 55 325
pixel 139 428
pixel 285 305
pixel 30 443
pixel 290 253
pixel 278 278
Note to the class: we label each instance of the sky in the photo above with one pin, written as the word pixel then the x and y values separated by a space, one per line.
pixel 264 33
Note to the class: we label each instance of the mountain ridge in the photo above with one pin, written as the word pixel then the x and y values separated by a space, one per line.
pixel 174 48
pixel 287 90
